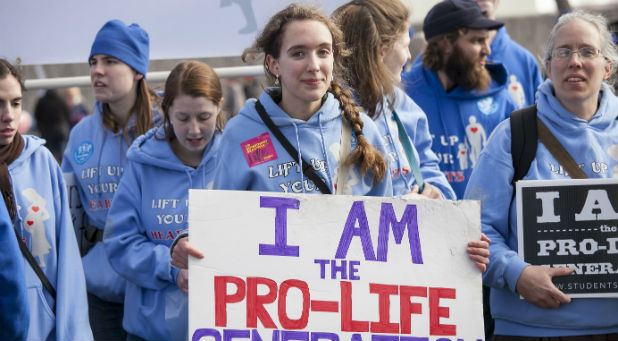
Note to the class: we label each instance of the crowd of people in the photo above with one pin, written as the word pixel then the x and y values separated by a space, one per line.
pixel 338 106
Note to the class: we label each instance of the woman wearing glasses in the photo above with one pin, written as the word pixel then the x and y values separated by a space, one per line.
pixel 578 107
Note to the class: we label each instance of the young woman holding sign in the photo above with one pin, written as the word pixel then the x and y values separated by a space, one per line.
pixel 96 154
pixel 577 106
pixel 302 48
pixel 147 213
pixel 314 114
pixel 377 32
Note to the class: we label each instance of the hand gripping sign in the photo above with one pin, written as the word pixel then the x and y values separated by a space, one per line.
pixel 282 267
pixel 571 223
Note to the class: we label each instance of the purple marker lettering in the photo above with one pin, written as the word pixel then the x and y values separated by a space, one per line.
pixel 287 335
pixel 353 269
pixel 334 269
pixel 408 220
pixel 280 248
pixel 357 213
pixel 230 334
pixel 322 263
pixel 324 336
pixel 205 332
pixel 377 337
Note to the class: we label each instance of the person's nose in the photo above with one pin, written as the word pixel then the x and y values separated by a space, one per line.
pixel 486 49
pixel 313 62
pixel 194 127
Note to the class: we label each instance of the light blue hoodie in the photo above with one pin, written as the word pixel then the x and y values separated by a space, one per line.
pixel 587 142
pixel 253 159
pixel 519 63
pixel 415 122
pixel 97 157
pixel 44 223
pixel 460 121
pixel 149 210
pixel 14 315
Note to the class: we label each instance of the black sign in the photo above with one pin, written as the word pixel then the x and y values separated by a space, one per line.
pixel 572 223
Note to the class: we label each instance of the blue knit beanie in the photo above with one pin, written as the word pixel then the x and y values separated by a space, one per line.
pixel 130 44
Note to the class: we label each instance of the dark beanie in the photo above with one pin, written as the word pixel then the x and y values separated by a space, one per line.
pixel 451 15
pixel 129 44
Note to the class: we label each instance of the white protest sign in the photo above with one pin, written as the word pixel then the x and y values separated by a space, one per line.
pixel 571 223
pixel 310 267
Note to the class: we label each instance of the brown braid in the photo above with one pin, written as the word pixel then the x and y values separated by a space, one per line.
pixel 365 156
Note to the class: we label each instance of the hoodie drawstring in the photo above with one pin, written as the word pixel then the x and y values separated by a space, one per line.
pixel 329 179
pixel 300 156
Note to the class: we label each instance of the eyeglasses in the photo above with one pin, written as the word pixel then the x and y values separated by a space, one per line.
pixel 563 53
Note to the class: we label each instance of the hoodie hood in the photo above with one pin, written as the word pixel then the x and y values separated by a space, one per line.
pixel 254 159
pixel 31 144
pixel 330 110
pixel 154 150
pixel 460 120
pixel 553 112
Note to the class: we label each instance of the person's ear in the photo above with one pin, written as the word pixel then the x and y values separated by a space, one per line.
pixel 273 65
pixel 609 66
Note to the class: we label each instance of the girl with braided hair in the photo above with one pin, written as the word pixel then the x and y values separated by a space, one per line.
pixel 302 48
pixel 376 32
pixel 315 113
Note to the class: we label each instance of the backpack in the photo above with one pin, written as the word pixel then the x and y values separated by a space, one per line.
pixel 524 140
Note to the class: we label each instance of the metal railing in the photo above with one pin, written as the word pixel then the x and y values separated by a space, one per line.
pixel 158 76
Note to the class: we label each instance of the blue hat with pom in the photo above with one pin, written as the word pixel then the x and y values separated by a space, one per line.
pixel 129 44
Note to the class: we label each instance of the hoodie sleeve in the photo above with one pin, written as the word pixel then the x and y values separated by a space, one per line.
pixel 430 168
pixel 13 298
pixel 230 171
pixel 490 183
pixel 385 187
pixel 130 252
pixel 71 301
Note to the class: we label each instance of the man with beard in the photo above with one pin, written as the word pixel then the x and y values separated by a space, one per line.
pixel 463 96
pixel 523 69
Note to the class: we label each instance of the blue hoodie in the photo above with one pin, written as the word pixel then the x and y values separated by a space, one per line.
pixel 149 210
pixel 587 142
pixel 253 159
pixel 460 121
pixel 415 122
pixel 44 222
pixel 522 67
pixel 14 315
pixel 97 157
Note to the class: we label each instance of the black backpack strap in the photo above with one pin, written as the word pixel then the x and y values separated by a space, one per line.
pixel 524 141
pixel 35 266
pixel 307 167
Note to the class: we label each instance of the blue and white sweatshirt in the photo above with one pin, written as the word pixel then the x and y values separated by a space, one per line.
pixel 97 157
pixel 522 67
pixel 44 223
pixel 588 143
pixel 14 315
pixel 460 121
pixel 415 122
pixel 148 212
pixel 253 159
